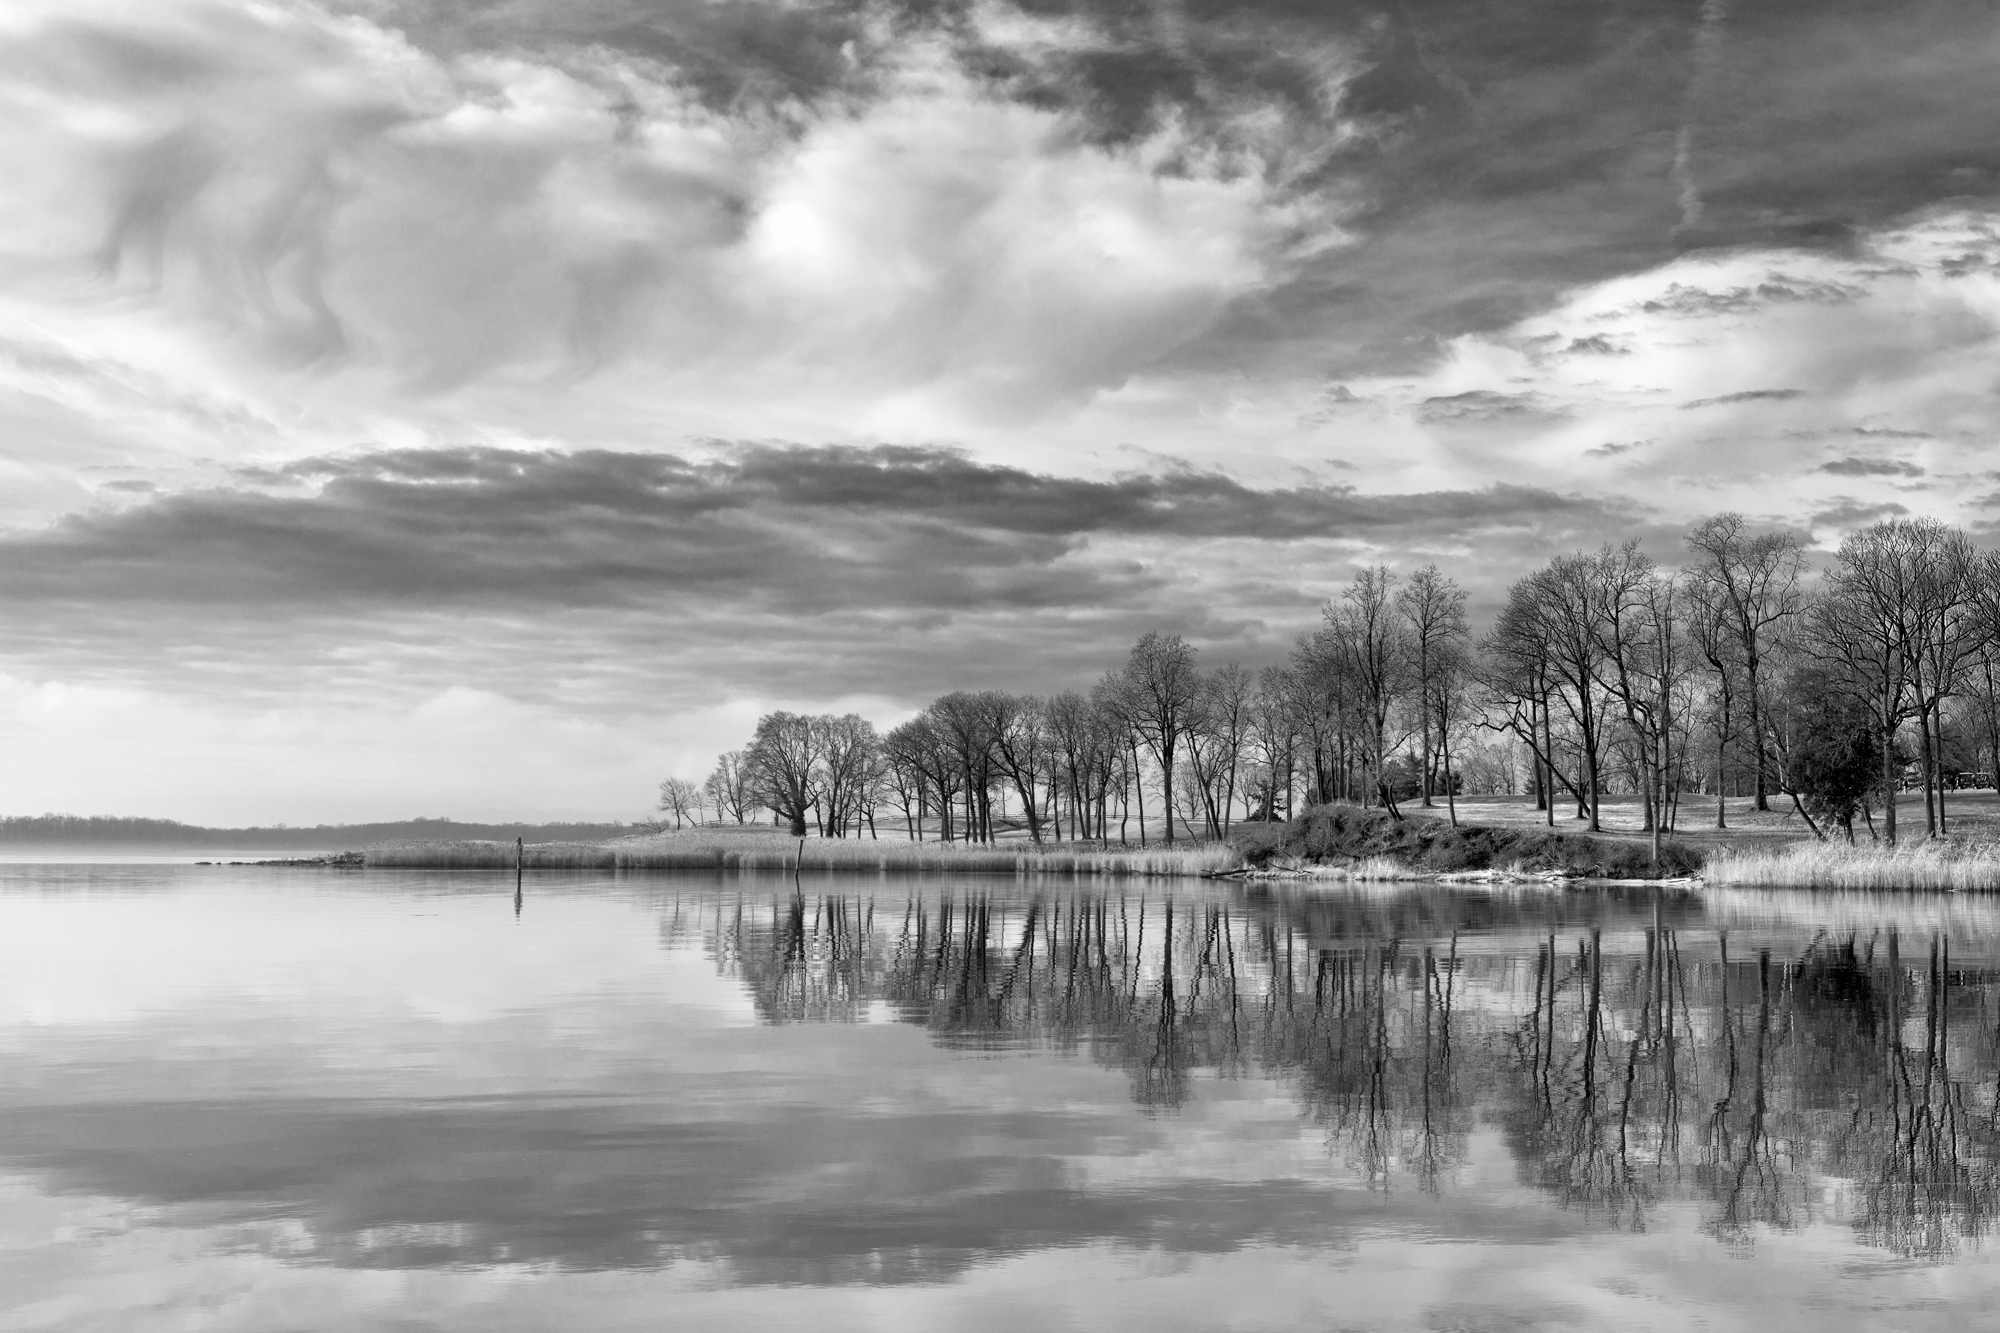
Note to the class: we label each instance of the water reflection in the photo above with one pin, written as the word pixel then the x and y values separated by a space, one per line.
pixel 863 1103
pixel 1628 1063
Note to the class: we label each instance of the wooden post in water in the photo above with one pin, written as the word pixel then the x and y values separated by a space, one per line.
pixel 520 860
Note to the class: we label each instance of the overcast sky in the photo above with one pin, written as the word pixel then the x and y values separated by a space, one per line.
pixel 488 407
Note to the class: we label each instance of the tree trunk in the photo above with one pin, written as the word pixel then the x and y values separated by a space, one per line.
pixel 1139 792
pixel 1928 760
pixel 1450 792
pixel 1751 665
pixel 1937 733
pixel 1889 778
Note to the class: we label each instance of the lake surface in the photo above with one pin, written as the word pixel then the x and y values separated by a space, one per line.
pixel 270 1099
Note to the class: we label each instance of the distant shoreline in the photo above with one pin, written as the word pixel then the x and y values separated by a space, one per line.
pixel 137 834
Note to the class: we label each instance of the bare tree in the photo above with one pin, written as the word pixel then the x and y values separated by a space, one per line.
pixel 1019 729
pixel 1754 580
pixel 1077 755
pixel 905 754
pixel 963 724
pixel 1434 608
pixel 1375 650
pixel 1547 648
pixel 1861 628
pixel 784 757
pixel 730 790
pixel 1712 631
pixel 682 799
pixel 847 757
pixel 1643 667
pixel 1943 634
pixel 1274 734
pixel 1160 687
pixel 1229 712
pixel 1449 704
pixel 1515 677
pixel 1985 671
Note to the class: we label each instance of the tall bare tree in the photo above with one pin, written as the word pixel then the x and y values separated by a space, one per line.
pixel 1160 687
pixel 1861 627
pixel 846 771
pixel 783 759
pixel 964 724
pixel 1434 608
pixel 1018 724
pixel 1754 580
pixel 1375 649
pixel 682 799
pixel 1943 629
pixel 1644 666
pixel 730 788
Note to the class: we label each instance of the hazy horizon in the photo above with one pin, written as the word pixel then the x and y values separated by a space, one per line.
pixel 495 406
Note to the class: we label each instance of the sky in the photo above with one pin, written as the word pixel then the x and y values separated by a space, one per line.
pixel 487 408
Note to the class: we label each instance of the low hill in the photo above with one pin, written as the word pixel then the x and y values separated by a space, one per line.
pixel 1345 834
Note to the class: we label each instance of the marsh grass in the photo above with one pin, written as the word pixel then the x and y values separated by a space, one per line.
pixel 1942 864
pixel 1368 869
pixel 764 850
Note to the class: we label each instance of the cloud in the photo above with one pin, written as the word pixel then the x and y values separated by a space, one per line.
pixel 1747 396
pixel 793 529
pixel 1850 514
pixel 607 586
pixel 1870 467
pixel 1480 406
pixel 551 237
pixel 876 215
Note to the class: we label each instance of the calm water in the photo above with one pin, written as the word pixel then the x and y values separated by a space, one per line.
pixel 274 1099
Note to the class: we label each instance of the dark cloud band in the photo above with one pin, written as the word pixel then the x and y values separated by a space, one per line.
pixel 815 528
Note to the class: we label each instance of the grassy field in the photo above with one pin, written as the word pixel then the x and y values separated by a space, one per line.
pixel 1975 814
pixel 763 848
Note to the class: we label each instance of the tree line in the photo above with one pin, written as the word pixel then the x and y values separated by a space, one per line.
pixel 1741 672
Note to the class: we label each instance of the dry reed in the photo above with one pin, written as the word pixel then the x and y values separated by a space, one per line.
pixel 728 850
pixel 1947 864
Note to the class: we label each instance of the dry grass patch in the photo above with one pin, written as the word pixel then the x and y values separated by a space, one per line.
pixel 704 849
pixel 1939 864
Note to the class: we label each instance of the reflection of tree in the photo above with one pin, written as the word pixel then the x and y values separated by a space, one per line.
pixel 1933 1178
pixel 1625 1066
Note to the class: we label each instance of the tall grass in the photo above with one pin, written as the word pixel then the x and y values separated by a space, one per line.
pixel 720 850
pixel 1943 864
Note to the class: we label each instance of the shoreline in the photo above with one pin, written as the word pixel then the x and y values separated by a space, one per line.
pixel 1325 845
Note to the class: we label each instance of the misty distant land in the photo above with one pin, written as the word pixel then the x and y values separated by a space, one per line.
pixel 138 834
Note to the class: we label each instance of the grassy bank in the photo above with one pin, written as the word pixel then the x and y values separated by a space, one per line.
pixel 721 849
pixel 1353 843
pixel 1917 864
